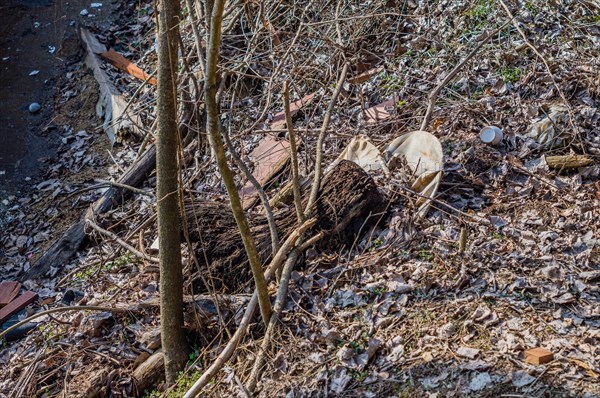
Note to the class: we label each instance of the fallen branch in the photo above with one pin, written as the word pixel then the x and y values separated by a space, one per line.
pixel 568 161
pixel 121 242
pixel 60 252
pixel 64 309
pixel 66 246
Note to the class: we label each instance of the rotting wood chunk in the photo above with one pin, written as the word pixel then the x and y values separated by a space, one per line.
pixel 347 199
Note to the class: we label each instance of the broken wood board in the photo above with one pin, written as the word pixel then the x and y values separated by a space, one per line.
pixel 119 61
pixel 278 121
pixel 8 291
pixel 270 156
pixel 382 111
pixel 111 103
pixel 16 305
pixel 363 77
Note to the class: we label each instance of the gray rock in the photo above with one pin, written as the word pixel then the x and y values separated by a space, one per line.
pixel 34 107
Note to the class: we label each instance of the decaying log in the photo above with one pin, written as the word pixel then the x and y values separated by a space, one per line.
pixel 568 161
pixel 64 248
pixel 347 198
pixel 150 372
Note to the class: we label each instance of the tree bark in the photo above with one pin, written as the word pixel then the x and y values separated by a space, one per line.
pixel 167 169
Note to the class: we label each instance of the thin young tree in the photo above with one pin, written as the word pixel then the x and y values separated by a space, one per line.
pixel 216 143
pixel 167 169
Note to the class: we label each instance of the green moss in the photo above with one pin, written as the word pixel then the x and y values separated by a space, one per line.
pixel 511 75
pixel 425 254
pixel 480 10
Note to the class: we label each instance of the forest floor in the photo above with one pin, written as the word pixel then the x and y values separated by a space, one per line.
pixel 407 309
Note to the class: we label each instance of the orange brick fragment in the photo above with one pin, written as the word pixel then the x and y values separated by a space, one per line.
pixel 538 356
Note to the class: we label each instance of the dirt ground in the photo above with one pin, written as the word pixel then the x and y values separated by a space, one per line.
pixel 507 258
pixel 39 52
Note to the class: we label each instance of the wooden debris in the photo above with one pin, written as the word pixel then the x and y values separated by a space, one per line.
pixel 126 65
pixel 8 291
pixel 462 240
pixel 347 199
pixel 16 305
pixel 382 111
pixel 111 103
pixel 363 77
pixel 568 161
pixel 150 372
pixel 278 121
pixel 270 156
pixel 538 356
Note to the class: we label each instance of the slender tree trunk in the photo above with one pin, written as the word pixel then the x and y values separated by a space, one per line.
pixel 171 278
pixel 214 134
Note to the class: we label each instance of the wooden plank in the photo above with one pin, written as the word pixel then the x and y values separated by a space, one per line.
pixel 119 61
pixel 382 111
pixel 8 291
pixel 270 157
pixel 278 121
pixel 16 305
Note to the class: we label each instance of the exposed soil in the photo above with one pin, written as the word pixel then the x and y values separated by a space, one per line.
pixel 39 45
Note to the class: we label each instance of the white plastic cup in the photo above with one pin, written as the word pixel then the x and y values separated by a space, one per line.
pixel 491 135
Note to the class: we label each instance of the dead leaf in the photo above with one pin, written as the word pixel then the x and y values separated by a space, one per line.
pixel 588 369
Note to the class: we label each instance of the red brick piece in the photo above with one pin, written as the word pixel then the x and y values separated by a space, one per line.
pixel 538 356
pixel 8 291
pixel 16 305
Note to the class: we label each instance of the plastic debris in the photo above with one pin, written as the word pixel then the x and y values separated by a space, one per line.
pixel 491 135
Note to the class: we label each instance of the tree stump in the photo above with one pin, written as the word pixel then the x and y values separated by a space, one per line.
pixel 347 199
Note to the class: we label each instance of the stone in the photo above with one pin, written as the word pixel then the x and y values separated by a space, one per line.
pixel 34 107
pixel 480 381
